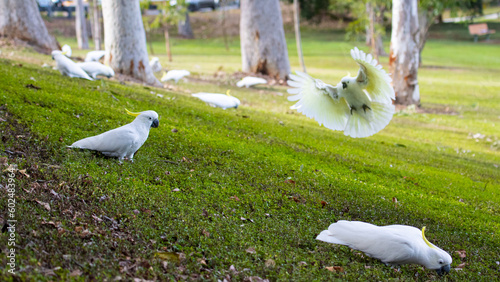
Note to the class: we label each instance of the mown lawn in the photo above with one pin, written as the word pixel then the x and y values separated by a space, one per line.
pixel 252 187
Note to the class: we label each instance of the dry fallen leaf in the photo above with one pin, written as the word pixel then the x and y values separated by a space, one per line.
pixel 250 250
pixel 168 256
pixel 290 181
pixel 45 205
pixel 270 263
pixel 76 272
pixel 335 268
pixel 461 253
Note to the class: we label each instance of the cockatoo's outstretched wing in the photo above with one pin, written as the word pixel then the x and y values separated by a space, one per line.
pixel 318 100
pixel 376 81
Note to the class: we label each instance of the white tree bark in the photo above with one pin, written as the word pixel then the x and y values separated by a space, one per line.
pixel 20 19
pixel 82 37
pixel 184 28
pixel 96 34
pixel 296 15
pixel 263 44
pixel 125 40
pixel 403 60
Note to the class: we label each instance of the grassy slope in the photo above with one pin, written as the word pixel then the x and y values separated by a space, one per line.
pixel 439 176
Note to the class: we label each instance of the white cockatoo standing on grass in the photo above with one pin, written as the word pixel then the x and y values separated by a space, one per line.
pixel 66 49
pixel 95 56
pixel 95 68
pixel 223 101
pixel 67 67
pixel 248 81
pixel 175 75
pixel 155 64
pixel 360 106
pixel 392 244
pixel 124 141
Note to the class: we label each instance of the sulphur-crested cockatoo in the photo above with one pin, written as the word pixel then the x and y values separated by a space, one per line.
pixel 250 81
pixel 175 75
pixel 155 64
pixel 95 56
pixel 123 141
pixel 67 67
pixel 95 68
pixel 360 106
pixel 392 244
pixel 223 101
pixel 66 49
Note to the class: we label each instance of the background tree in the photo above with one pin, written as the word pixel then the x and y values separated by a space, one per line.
pixel 262 37
pixel 82 37
pixel 21 20
pixel 125 40
pixel 296 16
pixel 184 27
pixel 96 25
pixel 403 59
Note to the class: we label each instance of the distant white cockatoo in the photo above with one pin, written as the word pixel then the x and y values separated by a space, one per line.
pixel 250 81
pixel 223 101
pixel 124 141
pixel 95 68
pixel 392 244
pixel 155 64
pixel 95 56
pixel 175 75
pixel 67 67
pixel 360 106
pixel 66 49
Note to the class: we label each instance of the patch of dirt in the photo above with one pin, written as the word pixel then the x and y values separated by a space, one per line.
pixel 441 110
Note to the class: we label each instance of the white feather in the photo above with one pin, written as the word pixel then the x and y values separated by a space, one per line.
pixel 392 244
pixel 67 67
pixel 123 141
pixel 218 100
pixel 95 56
pixel 66 49
pixel 95 68
pixel 175 75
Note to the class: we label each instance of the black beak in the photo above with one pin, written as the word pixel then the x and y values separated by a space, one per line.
pixel 155 123
pixel 442 270
pixel 344 85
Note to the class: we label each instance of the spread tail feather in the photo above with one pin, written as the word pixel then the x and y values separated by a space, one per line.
pixel 362 125
pixel 327 236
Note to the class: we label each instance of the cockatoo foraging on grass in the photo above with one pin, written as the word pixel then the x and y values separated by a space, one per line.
pixel 250 81
pixel 155 64
pixel 67 67
pixel 124 141
pixel 95 68
pixel 392 244
pixel 223 101
pixel 175 75
pixel 95 56
pixel 360 106
pixel 66 49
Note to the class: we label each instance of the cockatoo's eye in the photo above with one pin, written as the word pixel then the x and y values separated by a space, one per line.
pixel 344 85
pixel 441 261
pixel 149 118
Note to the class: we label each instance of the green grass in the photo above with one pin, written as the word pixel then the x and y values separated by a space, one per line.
pixel 254 177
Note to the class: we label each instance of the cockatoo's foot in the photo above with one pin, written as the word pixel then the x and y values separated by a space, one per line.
pixel 353 108
pixel 366 107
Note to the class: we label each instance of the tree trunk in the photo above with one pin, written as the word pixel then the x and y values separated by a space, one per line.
pixel 425 20
pixel 21 20
pixel 125 40
pixel 184 28
pixel 167 43
pixel 373 37
pixel 222 9
pixel 263 44
pixel 403 60
pixel 96 35
pixel 82 36
pixel 296 14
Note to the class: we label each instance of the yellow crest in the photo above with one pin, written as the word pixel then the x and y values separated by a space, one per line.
pixel 132 113
pixel 425 239
pixel 227 92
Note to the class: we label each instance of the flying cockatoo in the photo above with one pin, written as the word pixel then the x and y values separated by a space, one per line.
pixel 175 75
pixel 360 106
pixel 392 244
pixel 66 50
pixel 67 67
pixel 95 68
pixel 95 56
pixel 124 141
pixel 248 81
pixel 223 101
pixel 155 64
